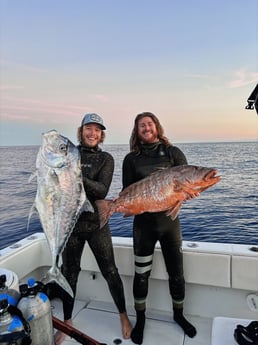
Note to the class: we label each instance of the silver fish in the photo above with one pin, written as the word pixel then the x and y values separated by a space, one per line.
pixel 60 197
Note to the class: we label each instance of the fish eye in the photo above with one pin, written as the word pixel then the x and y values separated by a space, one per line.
pixel 62 147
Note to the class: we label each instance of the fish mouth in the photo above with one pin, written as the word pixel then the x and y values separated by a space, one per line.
pixel 212 176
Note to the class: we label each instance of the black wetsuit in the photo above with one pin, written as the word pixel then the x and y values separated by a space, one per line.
pixel 148 228
pixel 97 171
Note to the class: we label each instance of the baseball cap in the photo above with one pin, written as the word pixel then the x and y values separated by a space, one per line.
pixel 93 118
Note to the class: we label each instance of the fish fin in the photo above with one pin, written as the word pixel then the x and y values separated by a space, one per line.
pixel 32 176
pixel 104 210
pixel 173 212
pixel 32 209
pixel 54 274
pixel 187 189
pixel 87 206
pixel 128 214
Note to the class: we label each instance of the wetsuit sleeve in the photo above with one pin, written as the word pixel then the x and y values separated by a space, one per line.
pixel 178 156
pixel 127 171
pixel 98 188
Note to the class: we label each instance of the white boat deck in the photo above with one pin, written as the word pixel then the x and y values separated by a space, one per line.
pixel 221 291
pixel 100 321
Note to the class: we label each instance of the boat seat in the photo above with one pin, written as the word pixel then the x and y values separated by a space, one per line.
pixel 223 330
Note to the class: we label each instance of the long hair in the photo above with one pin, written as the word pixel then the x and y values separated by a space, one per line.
pixel 79 136
pixel 134 139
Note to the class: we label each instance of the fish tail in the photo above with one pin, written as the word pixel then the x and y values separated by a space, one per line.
pixel 104 210
pixel 54 274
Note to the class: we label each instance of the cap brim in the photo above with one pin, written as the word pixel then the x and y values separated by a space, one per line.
pixel 95 123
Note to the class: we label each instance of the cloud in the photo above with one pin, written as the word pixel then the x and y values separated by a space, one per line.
pixel 24 109
pixel 243 77
pixel 100 97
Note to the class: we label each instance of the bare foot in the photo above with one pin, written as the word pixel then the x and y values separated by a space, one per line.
pixel 60 336
pixel 125 325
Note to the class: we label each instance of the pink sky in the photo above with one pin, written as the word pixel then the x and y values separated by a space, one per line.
pixel 194 74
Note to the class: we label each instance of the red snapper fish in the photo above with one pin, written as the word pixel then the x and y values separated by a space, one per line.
pixel 164 190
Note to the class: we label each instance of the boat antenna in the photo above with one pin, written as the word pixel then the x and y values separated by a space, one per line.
pixel 252 101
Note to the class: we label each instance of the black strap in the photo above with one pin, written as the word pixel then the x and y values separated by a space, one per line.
pixel 247 335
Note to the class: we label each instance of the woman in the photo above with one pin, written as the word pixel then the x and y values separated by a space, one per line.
pixel 97 170
pixel 151 150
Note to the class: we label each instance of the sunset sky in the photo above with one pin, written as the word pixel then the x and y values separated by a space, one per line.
pixel 192 63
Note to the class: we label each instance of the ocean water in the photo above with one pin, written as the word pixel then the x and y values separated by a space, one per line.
pixel 227 212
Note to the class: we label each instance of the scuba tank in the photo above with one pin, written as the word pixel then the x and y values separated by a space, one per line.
pixel 36 309
pixel 12 295
pixel 13 328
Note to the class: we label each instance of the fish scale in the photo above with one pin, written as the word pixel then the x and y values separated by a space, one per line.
pixel 60 197
pixel 164 190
